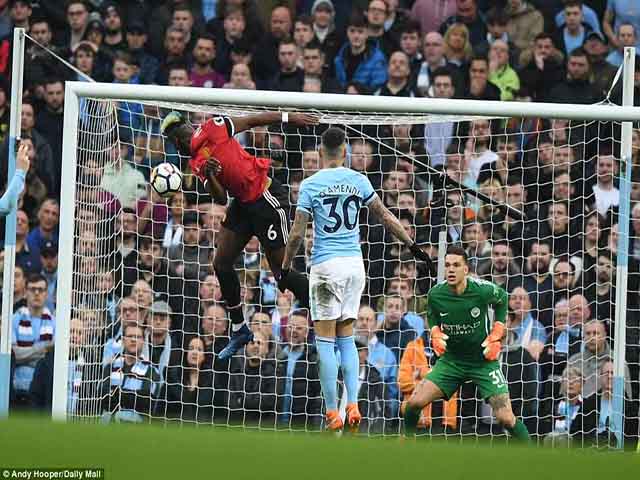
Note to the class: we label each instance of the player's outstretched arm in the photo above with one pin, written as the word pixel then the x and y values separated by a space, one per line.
pixel 9 200
pixel 295 239
pixel 391 223
pixel 240 124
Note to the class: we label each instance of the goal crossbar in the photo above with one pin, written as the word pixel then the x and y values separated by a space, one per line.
pixel 141 93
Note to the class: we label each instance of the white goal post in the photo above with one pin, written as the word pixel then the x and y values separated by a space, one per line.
pixel 350 105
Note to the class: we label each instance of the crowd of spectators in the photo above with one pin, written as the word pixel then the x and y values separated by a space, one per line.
pixel 147 321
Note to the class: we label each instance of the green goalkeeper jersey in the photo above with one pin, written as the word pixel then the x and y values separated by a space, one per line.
pixel 464 318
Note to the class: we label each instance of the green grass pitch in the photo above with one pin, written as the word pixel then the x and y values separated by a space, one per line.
pixel 156 452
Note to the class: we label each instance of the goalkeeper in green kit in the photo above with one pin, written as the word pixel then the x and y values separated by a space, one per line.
pixel 466 346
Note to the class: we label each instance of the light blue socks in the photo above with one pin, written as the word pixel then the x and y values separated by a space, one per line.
pixel 350 364
pixel 328 366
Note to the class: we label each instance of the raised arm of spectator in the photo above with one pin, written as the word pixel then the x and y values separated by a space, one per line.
pixel 607 26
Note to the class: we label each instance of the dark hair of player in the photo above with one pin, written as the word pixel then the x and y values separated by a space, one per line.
pixel 457 250
pixel 332 140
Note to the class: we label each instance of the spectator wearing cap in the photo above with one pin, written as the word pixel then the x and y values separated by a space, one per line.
pixel 627 37
pixel 204 54
pixel 49 261
pixel 136 36
pixel 468 14
pixel 47 229
pixel 331 39
pixel 114 39
pixel 77 15
pixel 131 384
pixel 358 61
pixel 162 345
pixel 542 68
pixel 577 87
pixel 95 34
pixel 574 32
pixel 187 257
pixel 33 334
pixel 602 71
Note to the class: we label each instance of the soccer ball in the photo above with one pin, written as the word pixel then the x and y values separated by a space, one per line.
pixel 166 179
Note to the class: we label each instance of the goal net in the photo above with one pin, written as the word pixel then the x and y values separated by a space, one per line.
pixel 146 317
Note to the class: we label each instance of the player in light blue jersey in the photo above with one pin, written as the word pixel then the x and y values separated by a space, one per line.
pixel 333 197
pixel 9 200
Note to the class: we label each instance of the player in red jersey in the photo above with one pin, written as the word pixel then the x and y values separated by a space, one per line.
pixel 259 206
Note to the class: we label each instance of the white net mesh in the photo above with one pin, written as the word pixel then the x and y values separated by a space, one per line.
pixel 558 267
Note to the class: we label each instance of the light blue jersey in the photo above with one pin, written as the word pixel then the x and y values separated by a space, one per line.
pixel 333 197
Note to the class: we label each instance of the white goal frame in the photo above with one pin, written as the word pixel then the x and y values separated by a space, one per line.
pixel 75 91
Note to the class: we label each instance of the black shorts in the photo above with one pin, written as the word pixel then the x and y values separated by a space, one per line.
pixel 267 218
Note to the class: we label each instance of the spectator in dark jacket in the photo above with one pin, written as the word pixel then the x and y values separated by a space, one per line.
pixel 479 87
pixel 290 77
pixel 543 69
pixel 136 35
pixel 467 13
pixel 398 74
pixel 189 390
pixel 297 367
pixel 358 60
pixel 256 393
pixel 49 123
pixel 266 50
pixel 577 87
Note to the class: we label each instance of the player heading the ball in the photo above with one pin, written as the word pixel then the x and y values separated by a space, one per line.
pixel 333 198
pixel 468 350
pixel 259 205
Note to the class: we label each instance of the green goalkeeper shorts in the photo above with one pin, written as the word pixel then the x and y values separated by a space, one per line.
pixel 487 376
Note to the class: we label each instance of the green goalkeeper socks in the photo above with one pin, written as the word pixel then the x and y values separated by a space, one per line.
pixel 520 432
pixel 411 418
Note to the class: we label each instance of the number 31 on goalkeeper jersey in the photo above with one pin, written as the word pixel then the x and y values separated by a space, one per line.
pixel 334 197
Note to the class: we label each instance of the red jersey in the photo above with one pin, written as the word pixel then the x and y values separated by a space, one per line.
pixel 243 175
